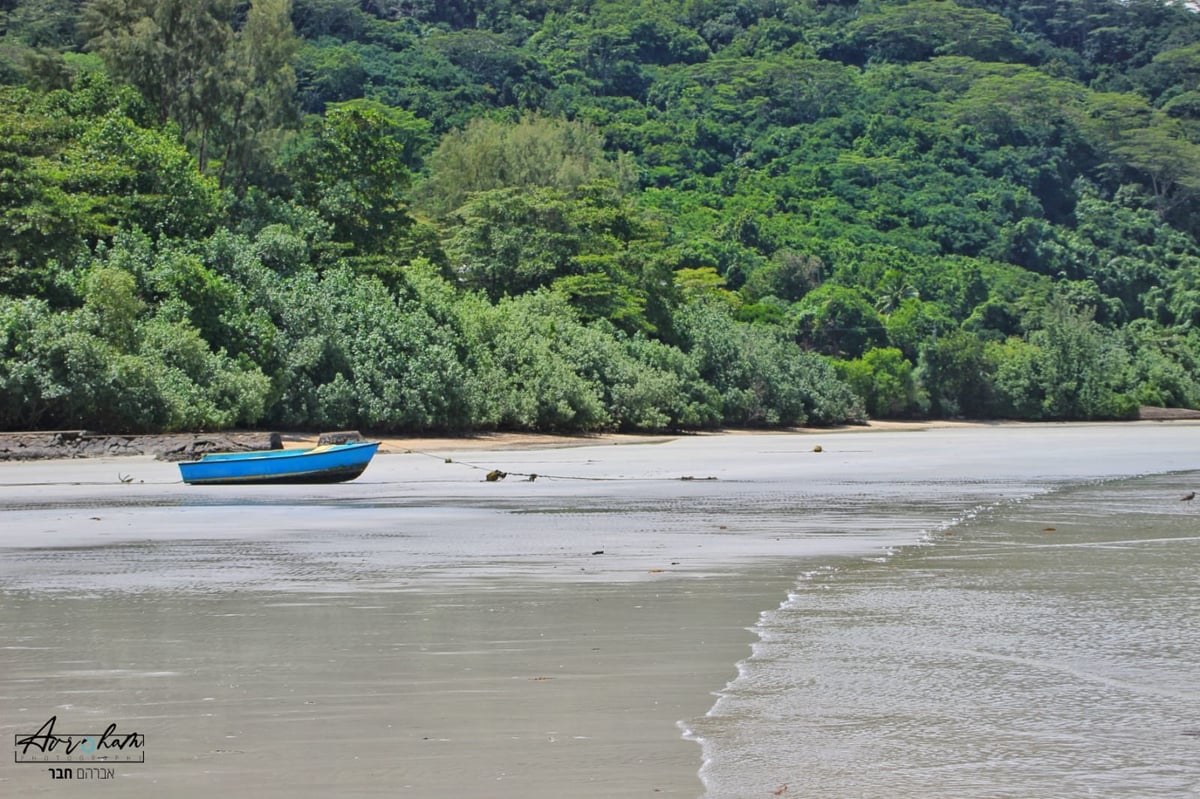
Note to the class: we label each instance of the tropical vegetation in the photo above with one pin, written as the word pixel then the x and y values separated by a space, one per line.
pixel 577 215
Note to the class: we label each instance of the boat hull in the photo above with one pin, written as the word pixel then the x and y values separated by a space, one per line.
pixel 326 464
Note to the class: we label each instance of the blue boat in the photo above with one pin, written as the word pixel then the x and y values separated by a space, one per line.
pixel 328 463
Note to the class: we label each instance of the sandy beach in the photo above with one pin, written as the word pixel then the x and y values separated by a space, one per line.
pixel 510 440
pixel 421 631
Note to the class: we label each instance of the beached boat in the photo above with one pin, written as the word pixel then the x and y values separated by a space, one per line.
pixel 329 463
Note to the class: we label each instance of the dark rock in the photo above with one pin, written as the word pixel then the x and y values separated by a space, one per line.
pixel 186 448
pixel 340 437
pixel 1166 414
pixel 169 447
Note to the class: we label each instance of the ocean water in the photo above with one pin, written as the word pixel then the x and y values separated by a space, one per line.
pixel 1040 647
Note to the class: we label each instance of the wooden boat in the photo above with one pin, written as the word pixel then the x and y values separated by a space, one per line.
pixel 329 463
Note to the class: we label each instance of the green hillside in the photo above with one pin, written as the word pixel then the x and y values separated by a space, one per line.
pixel 563 215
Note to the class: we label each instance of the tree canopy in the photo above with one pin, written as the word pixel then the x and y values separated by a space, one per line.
pixel 592 214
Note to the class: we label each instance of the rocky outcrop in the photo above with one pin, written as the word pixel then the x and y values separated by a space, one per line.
pixel 168 447
pixel 186 448
pixel 1147 412
pixel 340 437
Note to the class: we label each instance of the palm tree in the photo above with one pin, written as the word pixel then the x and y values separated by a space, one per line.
pixel 893 289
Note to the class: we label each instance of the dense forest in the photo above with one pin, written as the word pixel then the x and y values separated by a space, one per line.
pixel 572 215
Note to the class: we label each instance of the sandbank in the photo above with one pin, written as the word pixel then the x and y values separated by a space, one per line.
pixel 517 440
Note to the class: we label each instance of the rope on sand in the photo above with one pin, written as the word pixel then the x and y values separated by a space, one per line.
pixel 50 483
pixel 493 475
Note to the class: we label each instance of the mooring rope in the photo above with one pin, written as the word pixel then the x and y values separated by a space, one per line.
pixel 493 475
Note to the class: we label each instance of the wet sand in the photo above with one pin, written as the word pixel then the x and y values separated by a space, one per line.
pixel 424 632
pixel 506 691
pixel 419 631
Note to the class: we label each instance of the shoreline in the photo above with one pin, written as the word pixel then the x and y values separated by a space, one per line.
pixel 542 441
pixel 82 444
pixel 498 441
pixel 493 441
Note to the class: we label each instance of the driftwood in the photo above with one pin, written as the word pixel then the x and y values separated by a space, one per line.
pixel 168 447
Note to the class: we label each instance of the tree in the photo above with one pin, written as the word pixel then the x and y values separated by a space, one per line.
pixel 1020 107
pixel 510 241
pixel 1147 143
pixel 143 178
pixel 956 375
pixel 353 168
pixel 174 52
pixel 41 220
pixel 76 167
pixel 839 321
pixel 42 23
pixel 763 379
pixel 260 87
pixel 1080 368
pixel 328 74
pixel 789 276
pixel 924 28
pixel 591 244
pixel 914 323
pixel 110 299
pixel 536 152
pixel 884 380
pixel 226 87
pixel 891 292
pixel 527 352
pixel 1168 159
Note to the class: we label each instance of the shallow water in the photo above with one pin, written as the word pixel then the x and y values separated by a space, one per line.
pixel 1044 648
pixel 421 631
